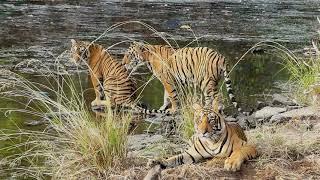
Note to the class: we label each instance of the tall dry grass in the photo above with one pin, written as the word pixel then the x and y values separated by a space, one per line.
pixel 288 151
pixel 75 145
pixel 304 77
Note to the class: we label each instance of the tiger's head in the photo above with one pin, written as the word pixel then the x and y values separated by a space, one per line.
pixel 134 56
pixel 209 124
pixel 79 51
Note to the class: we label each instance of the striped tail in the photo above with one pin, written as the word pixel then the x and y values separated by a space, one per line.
pixel 144 110
pixel 230 93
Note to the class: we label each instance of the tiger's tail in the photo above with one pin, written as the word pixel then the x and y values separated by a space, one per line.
pixel 230 93
pixel 144 110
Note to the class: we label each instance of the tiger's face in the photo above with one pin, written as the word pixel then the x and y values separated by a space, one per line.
pixel 209 124
pixel 133 57
pixel 79 51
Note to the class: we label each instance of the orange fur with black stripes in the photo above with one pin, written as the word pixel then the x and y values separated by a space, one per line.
pixel 214 138
pixel 109 78
pixel 200 67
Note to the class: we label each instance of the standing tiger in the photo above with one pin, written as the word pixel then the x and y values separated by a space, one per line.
pixel 109 78
pixel 200 67
pixel 214 137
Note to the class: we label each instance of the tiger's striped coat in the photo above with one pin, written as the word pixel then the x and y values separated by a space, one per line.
pixel 214 138
pixel 110 79
pixel 200 67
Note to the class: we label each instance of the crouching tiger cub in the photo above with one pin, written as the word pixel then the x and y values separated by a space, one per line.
pixel 110 80
pixel 214 138
pixel 200 67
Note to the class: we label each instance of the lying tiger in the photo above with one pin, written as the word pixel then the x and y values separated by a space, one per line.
pixel 214 138
pixel 200 67
pixel 109 78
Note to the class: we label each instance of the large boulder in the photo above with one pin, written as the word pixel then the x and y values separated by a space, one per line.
pixel 279 99
pixel 267 112
pixel 302 113
pixel 152 146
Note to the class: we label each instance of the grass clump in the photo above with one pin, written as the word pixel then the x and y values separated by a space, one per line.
pixel 305 76
pixel 285 150
pixel 75 145
pixel 187 128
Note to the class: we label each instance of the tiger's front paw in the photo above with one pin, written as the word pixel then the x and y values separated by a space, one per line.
pixel 100 103
pixel 232 164
pixel 95 102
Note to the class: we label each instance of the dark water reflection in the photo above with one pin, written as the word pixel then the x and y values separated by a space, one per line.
pixel 41 30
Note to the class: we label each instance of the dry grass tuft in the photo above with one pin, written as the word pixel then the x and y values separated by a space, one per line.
pixel 75 145
pixel 291 150
pixel 292 141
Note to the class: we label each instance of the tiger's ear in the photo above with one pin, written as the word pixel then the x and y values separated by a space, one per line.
pixel 197 107
pixel 73 41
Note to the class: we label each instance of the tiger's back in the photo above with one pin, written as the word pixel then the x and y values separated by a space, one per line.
pixel 188 65
pixel 196 65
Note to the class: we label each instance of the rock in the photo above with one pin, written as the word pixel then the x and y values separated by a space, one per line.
pixel 151 146
pixel 268 112
pixel 302 113
pixel 139 145
pixel 247 122
pixel 279 99
pixel 230 119
pixel 261 104
pixel 140 141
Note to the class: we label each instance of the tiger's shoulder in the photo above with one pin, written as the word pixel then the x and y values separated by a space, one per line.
pixel 237 129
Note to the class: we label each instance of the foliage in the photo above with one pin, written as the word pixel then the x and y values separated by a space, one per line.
pixel 75 145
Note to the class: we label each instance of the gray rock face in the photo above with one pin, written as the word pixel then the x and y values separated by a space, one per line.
pixel 279 99
pixel 302 113
pixel 247 122
pixel 141 141
pixel 152 146
pixel 268 112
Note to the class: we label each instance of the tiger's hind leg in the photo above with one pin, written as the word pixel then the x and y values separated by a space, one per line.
pixel 238 156
pixel 97 84
pixel 173 96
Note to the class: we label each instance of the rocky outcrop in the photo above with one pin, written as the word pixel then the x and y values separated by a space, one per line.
pixel 301 113
pixel 279 99
pixel 267 112
pixel 151 146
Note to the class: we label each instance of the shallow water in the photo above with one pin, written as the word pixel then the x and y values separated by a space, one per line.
pixel 39 31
